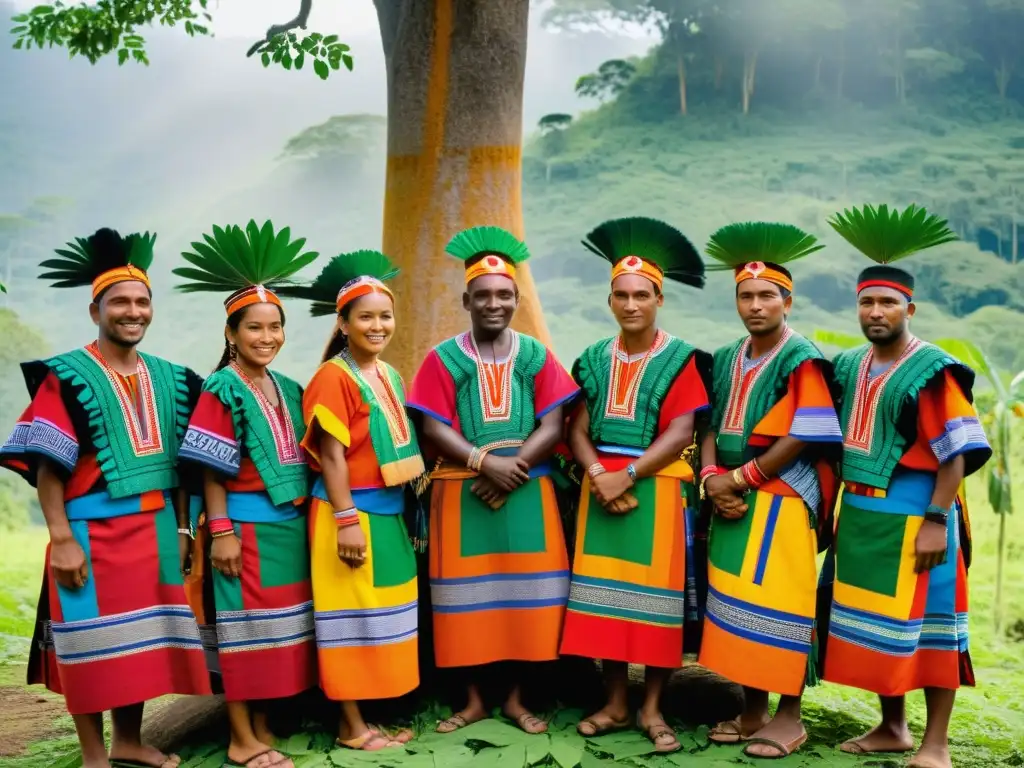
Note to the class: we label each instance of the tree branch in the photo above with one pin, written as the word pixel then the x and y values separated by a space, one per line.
pixel 278 29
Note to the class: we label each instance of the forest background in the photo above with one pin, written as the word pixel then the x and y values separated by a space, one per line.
pixel 698 112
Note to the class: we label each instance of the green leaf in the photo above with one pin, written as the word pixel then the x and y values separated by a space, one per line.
pixel 624 744
pixel 297 744
pixel 18 44
pixel 18 30
pixel 335 64
pixel 300 60
pixel 320 67
pixel 122 56
pixel 286 60
pixel 20 18
pixel 265 58
pixel 489 732
pixel 347 61
pixel 330 39
pixel 41 10
pixel 567 748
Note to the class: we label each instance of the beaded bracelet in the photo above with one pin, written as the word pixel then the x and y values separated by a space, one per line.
pixel 219 525
pixel 752 474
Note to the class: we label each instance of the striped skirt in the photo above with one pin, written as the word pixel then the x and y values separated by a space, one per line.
pixel 366 617
pixel 762 575
pixel 627 601
pixel 498 578
pixel 128 635
pixel 892 630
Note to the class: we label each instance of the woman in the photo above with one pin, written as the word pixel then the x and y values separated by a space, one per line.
pixel 362 444
pixel 246 433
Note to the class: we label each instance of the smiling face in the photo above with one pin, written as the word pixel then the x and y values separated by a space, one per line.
pixel 761 306
pixel 491 301
pixel 369 323
pixel 884 314
pixel 259 336
pixel 634 303
pixel 123 313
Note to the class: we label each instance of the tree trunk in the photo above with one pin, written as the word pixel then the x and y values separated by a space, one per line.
pixel 681 71
pixel 749 73
pixel 455 73
pixel 719 71
pixel 1003 75
pixel 841 73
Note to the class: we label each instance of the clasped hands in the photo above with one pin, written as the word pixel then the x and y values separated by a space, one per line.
pixel 727 496
pixel 612 490
pixel 499 476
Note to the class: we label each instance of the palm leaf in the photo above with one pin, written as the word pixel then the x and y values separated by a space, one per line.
pixel 651 240
pixel 84 259
pixel 336 274
pixel 736 244
pixel 885 235
pixel 477 240
pixel 231 258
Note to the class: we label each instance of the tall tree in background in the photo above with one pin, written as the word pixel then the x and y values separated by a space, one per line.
pixel 455 71
pixel 1003 28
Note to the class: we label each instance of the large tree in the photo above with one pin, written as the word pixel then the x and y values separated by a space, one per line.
pixel 455 72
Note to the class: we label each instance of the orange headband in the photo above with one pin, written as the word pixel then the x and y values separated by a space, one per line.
pixel 361 286
pixel 634 265
pixel 490 265
pixel 758 270
pixel 119 275
pixel 257 294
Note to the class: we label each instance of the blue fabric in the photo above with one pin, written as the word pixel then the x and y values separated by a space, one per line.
pixel 256 507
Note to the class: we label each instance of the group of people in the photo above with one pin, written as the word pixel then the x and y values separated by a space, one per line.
pixel 248 534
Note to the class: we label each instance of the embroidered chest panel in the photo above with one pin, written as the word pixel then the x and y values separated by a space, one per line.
pixel 868 393
pixel 281 429
pixel 136 401
pixel 744 382
pixel 627 377
pixel 390 401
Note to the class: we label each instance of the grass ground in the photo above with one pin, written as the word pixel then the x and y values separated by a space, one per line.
pixel 987 730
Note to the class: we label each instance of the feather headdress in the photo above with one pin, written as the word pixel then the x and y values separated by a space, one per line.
pixel 647 247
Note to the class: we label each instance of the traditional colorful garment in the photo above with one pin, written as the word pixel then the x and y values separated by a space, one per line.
pixel 893 630
pixel 366 617
pixel 128 635
pixel 264 619
pixel 627 597
pixel 759 627
pixel 498 578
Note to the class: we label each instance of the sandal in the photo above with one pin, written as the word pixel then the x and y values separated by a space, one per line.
pixel 656 731
pixel 452 724
pixel 528 717
pixel 734 734
pixel 784 750
pixel 116 762
pixel 600 729
pixel 403 736
pixel 234 764
pixel 371 741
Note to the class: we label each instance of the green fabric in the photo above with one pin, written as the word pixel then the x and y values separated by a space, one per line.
pixel 125 473
pixel 628 537
pixel 227 592
pixel 463 370
pixel 516 528
pixel 768 390
pixel 380 434
pixel 593 372
pixel 869 548
pixel 728 539
pixel 896 415
pixel 166 524
pixel 394 562
pixel 284 482
pixel 283 549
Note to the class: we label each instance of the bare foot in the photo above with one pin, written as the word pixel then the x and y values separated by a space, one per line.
pixel 604 721
pixel 929 756
pixel 882 738
pixel 142 753
pixel 787 731
pixel 262 730
pixel 468 716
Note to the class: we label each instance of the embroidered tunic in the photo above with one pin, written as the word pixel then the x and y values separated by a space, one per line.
pixel 498 578
pixel 114 440
pixel 892 630
pixel 759 626
pixel 262 622
pixel 366 617
pixel 627 598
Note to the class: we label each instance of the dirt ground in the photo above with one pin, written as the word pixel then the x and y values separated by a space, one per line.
pixel 26 716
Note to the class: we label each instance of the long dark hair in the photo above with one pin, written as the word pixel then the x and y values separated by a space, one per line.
pixel 234 321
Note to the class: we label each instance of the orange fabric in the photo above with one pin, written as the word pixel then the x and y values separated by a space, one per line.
pixel 332 389
pixel 634 265
pixel 124 274
pixel 490 265
pixel 806 388
pixel 258 294
pixel 758 270
pixel 363 287
pixel 938 403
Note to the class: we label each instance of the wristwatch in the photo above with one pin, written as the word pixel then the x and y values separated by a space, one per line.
pixel 936 514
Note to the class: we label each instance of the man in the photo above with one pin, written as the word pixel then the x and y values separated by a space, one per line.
pixel 911 435
pixel 642 390
pixel 99 441
pixel 766 473
pixel 491 406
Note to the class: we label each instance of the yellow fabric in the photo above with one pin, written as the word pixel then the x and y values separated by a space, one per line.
pixel 758 270
pixel 119 275
pixel 634 265
pixel 330 424
pixel 490 265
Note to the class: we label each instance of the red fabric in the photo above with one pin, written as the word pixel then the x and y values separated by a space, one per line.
pixel 213 416
pixel 433 390
pixel 686 395
pixel 552 385
pixel 600 637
